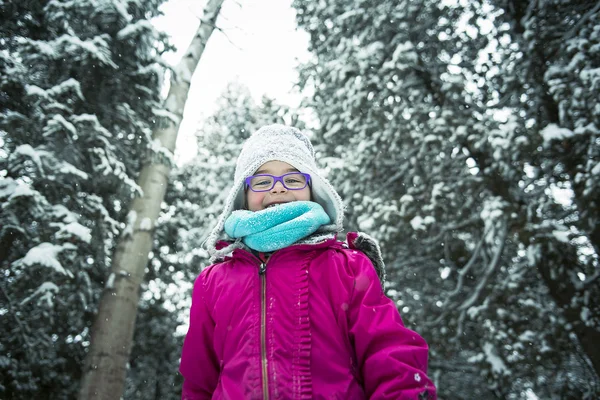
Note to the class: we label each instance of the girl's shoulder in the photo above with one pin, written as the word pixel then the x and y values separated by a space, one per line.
pixel 215 270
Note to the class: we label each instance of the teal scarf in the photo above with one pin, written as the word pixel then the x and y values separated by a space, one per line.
pixel 276 227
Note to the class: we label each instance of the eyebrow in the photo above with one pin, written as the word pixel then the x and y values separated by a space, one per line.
pixel 266 171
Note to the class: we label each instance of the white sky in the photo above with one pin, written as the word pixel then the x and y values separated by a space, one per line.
pixel 262 52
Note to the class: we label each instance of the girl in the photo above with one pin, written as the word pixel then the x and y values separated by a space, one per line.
pixel 287 311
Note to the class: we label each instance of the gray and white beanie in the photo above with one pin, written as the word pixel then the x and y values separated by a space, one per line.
pixel 276 143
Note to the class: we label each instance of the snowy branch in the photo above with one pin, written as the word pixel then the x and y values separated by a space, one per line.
pixel 451 227
pixel 489 271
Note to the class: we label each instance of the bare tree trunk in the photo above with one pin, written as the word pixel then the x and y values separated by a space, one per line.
pixel 104 370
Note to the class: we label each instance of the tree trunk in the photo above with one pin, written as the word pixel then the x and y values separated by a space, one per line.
pixel 105 368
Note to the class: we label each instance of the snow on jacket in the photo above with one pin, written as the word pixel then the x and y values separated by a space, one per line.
pixel 310 323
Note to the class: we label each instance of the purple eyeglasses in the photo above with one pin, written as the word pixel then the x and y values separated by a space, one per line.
pixel 266 182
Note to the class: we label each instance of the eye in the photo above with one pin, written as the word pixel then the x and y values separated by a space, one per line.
pixel 261 182
pixel 295 180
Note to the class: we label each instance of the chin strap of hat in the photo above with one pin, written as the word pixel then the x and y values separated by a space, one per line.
pixel 369 246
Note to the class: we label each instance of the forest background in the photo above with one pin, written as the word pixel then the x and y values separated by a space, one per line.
pixel 462 134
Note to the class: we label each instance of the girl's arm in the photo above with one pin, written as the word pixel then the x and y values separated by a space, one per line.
pixel 199 365
pixel 391 358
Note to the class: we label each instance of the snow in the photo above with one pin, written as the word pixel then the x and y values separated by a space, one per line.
pixel 75 230
pixel 93 120
pixel 131 218
pixel 162 113
pixel 35 91
pixel 28 151
pixel 7 187
pixel 590 76
pixel 110 282
pixel 103 166
pixel 69 169
pixel 437 191
pixel 157 148
pixel 561 236
pixel 22 190
pixel 461 130
pixel 528 303
pixel 348 14
pixel 420 224
pixel 146 224
pixel 56 123
pixel 498 366
pixel 366 223
pixel 121 7
pixel 492 211
pixel 527 336
pixel 417 223
pixel 585 314
pixel 370 51
pixel 46 291
pixel 46 254
pixel 97 48
pixel 136 29
pixel 407 198
pixel 533 254
pixel 69 85
pixel 404 51
pixel 554 132
pixel 474 311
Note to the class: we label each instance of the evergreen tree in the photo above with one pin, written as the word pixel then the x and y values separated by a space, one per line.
pixel 79 88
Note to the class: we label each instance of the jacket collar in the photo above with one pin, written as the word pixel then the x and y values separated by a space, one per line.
pixel 245 253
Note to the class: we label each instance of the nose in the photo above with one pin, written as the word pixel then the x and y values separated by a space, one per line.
pixel 278 188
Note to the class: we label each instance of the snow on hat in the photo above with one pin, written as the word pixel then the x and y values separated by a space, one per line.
pixel 277 143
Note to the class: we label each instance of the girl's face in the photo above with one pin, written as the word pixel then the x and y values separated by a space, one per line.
pixel 279 194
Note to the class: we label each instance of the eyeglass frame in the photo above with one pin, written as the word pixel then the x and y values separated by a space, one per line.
pixel 278 179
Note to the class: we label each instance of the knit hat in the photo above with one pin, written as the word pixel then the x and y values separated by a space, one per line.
pixel 277 143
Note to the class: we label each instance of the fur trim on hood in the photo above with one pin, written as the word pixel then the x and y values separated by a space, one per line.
pixel 369 246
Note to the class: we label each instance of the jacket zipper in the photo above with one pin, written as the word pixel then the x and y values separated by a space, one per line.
pixel 263 328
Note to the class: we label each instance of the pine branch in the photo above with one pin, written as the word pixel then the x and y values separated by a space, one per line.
pixel 20 324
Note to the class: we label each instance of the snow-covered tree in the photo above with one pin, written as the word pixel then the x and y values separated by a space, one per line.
pixel 550 78
pixel 80 85
pixel 435 163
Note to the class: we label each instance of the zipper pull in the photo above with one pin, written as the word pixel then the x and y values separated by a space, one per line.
pixel 262 269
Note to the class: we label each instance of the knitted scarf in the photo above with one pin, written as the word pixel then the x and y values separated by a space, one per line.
pixel 276 227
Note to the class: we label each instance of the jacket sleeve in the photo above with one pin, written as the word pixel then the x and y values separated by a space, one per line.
pixel 392 359
pixel 199 365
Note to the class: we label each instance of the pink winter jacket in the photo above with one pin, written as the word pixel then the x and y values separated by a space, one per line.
pixel 310 323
